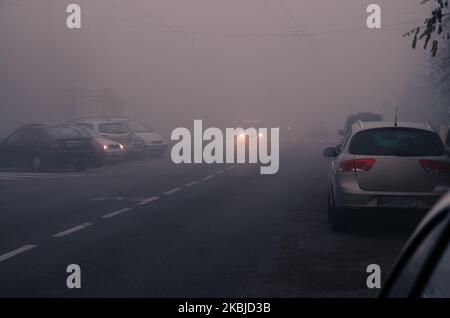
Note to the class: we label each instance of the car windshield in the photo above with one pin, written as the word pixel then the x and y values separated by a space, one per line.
pixel 112 128
pixel 136 127
pixel 88 132
pixel 396 142
pixel 62 132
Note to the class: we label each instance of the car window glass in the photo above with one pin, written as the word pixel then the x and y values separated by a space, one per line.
pixel 112 128
pixel 29 137
pixel 439 284
pixel 397 142
pixel 15 137
pixel 91 126
pixel 62 132
pixel 136 127
pixel 408 275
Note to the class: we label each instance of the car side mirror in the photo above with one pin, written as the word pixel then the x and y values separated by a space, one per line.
pixel 330 152
pixel 341 132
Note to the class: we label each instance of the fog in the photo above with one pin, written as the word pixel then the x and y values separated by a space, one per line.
pixel 168 62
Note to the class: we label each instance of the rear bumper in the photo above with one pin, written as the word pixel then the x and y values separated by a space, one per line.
pixel 377 200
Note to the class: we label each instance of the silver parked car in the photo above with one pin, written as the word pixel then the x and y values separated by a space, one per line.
pixel 386 165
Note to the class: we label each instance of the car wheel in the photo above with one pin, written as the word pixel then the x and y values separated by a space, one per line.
pixel 336 216
pixel 37 164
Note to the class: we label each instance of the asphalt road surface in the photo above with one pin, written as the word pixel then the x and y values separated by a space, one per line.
pixel 154 229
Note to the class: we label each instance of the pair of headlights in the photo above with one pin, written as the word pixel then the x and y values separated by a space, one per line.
pixel 106 147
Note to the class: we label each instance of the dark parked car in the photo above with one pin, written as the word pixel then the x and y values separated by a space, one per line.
pixel 39 146
pixel 423 268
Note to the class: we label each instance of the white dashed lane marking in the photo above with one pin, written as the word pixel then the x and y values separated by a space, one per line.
pixel 16 176
pixel 172 191
pixel 72 230
pixel 110 215
pixel 16 252
pixel 149 200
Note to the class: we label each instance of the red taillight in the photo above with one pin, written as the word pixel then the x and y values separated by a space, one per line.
pixel 435 166
pixel 357 165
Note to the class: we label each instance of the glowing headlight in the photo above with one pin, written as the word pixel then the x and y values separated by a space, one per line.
pixel 121 146
pixel 105 147
pixel 260 135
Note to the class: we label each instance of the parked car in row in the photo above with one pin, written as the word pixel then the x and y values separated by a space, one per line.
pixel 134 147
pixel 39 146
pixel 155 146
pixel 138 139
pixel 105 150
pixel 382 165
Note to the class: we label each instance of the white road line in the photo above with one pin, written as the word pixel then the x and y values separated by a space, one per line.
pixel 220 171
pixel 14 179
pixel 229 168
pixel 146 201
pixel 208 177
pixel 72 230
pixel 110 215
pixel 18 251
pixel 172 191
pixel 190 184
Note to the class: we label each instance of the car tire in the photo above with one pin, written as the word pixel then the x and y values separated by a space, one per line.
pixel 37 164
pixel 336 216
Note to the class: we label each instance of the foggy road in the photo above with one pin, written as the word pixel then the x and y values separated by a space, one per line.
pixel 155 229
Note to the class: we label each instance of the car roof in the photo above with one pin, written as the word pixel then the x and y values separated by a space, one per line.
pixel 97 121
pixel 47 125
pixel 103 119
pixel 359 125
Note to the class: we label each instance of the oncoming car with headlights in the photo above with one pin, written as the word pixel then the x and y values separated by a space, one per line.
pixel 385 165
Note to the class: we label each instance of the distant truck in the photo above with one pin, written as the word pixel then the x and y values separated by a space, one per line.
pixel 364 117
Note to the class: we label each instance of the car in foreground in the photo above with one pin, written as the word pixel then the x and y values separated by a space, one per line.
pixel 382 165
pixel 39 146
pixel 134 146
pixel 155 145
pixel 105 150
pixel 423 268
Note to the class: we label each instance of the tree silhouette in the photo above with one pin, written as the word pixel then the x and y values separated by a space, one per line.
pixel 435 28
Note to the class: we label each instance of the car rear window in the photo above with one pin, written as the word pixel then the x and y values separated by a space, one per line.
pixel 112 128
pixel 136 127
pixel 404 142
pixel 62 132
